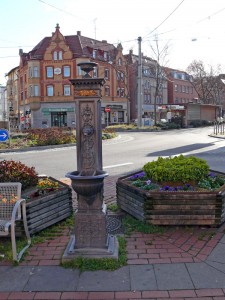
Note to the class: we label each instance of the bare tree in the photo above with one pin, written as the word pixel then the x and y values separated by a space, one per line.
pixel 207 83
pixel 159 55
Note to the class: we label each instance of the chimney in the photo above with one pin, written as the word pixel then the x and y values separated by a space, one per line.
pixel 104 41
pixel 20 52
pixel 131 52
pixel 79 33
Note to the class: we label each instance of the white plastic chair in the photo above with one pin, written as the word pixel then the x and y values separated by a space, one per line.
pixel 12 209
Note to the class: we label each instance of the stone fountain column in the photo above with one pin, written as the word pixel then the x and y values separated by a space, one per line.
pixel 90 238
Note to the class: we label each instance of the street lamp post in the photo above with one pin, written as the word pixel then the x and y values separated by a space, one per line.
pixel 139 96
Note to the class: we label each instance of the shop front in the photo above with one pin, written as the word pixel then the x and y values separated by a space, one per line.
pixel 114 114
pixel 50 115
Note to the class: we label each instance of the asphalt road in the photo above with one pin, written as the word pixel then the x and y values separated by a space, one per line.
pixel 130 151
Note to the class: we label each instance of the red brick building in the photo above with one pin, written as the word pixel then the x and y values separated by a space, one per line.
pixel 46 95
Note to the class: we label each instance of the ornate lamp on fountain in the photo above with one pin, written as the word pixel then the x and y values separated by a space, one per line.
pixel 91 238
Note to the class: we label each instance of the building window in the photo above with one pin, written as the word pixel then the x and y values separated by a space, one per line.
pixel 118 92
pixel 107 90
pixel 122 76
pixel 57 55
pixel 175 87
pixel 49 72
pixel 33 72
pixel 118 76
pixel 36 90
pixel 50 90
pixel 66 90
pixel 95 72
pixel 120 61
pixel 106 74
pixel 105 55
pixel 122 93
pixel 31 90
pixel 36 72
pixel 30 72
pixel 94 53
pixel 66 71
pixel 80 72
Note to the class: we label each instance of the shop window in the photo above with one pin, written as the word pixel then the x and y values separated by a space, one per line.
pixel 66 71
pixel 59 119
pixel 66 90
pixel 50 90
pixel 121 116
pixel 49 72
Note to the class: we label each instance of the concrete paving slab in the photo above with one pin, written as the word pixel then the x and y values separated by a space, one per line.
pixel 53 278
pixel 217 254
pixel 222 239
pixel 172 276
pixel 14 278
pixel 216 265
pixel 142 278
pixel 117 280
pixel 205 276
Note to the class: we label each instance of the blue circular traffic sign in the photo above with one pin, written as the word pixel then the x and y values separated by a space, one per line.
pixel 4 135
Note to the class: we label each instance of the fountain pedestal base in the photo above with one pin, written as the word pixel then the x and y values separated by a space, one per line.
pixel 109 251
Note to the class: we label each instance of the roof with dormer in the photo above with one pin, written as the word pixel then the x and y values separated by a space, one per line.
pixel 79 45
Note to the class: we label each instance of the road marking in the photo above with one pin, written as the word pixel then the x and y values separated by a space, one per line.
pixel 120 165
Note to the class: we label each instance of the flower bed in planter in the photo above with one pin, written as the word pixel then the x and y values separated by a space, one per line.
pixel 47 208
pixel 172 207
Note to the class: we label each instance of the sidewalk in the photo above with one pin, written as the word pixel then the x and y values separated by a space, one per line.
pixel 179 264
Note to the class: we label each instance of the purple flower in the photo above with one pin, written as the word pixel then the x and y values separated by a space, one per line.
pixel 137 176
pixel 148 182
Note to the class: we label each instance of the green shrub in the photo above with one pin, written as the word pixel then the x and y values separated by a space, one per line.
pixel 177 169
pixel 12 171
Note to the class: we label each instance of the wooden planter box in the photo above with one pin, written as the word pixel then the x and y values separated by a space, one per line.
pixel 47 210
pixel 172 208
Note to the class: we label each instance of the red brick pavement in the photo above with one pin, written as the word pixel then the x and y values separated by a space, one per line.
pixel 176 244
pixel 203 294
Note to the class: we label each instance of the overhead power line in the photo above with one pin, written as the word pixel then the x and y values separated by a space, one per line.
pixel 165 18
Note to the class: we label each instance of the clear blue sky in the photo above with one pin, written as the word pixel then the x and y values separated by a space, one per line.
pixel 193 29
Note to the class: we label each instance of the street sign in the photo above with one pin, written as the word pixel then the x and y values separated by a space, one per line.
pixel 4 135
pixel 107 109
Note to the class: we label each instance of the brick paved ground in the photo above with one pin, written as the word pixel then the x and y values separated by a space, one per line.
pixel 201 294
pixel 176 244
